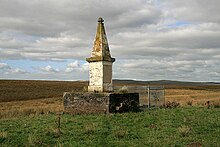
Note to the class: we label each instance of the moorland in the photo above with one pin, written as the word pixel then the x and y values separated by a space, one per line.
pixel 31 115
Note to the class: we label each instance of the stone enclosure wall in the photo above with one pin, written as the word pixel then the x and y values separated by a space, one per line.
pixel 87 102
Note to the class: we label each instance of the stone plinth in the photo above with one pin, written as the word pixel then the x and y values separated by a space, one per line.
pixel 100 76
pixel 86 103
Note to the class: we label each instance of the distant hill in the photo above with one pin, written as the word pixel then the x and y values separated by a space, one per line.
pixel 164 82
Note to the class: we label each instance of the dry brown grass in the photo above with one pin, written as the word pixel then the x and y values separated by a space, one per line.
pixel 30 107
pixel 25 98
pixel 184 96
pixel 16 90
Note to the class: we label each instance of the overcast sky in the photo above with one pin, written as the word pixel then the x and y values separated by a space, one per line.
pixel 150 39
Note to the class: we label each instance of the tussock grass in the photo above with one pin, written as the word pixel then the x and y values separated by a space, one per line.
pixel 34 140
pixel 90 128
pixel 184 130
pixel 158 127
pixel 3 136
pixel 192 97
pixel 120 131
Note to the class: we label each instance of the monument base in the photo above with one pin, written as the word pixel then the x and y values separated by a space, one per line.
pixel 87 102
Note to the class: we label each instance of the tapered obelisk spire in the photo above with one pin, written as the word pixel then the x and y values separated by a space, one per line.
pixel 100 62
pixel 100 51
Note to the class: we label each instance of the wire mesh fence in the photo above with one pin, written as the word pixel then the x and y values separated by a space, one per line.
pixel 149 96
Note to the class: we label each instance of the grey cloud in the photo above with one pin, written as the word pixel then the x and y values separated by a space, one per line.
pixel 136 18
pixel 193 11
pixel 194 42
pixel 8 41
pixel 190 38
pixel 167 69
pixel 50 48
pixel 52 17
pixel 149 31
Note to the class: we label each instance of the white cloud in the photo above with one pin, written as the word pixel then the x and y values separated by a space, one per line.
pixel 77 67
pixel 85 66
pixel 6 69
pixel 18 71
pixel 48 68
pixel 4 66
pixel 72 66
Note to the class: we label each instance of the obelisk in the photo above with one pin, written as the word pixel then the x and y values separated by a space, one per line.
pixel 100 62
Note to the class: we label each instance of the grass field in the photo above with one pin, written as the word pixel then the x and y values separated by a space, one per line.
pixel 189 126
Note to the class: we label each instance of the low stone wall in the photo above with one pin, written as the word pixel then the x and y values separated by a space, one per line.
pixel 87 102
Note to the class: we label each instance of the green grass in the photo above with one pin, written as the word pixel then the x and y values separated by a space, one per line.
pixel 159 127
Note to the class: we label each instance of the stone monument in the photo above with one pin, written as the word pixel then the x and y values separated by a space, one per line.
pixel 100 62
pixel 100 97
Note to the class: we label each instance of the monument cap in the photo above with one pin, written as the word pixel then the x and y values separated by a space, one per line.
pixel 100 19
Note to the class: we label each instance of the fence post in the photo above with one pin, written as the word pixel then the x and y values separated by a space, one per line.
pixel 148 95
pixel 164 95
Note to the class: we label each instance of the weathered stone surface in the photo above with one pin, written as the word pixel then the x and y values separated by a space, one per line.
pixel 100 77
pixel 100 62
pixel 100 51
pixel 124 102
pixel 84 103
